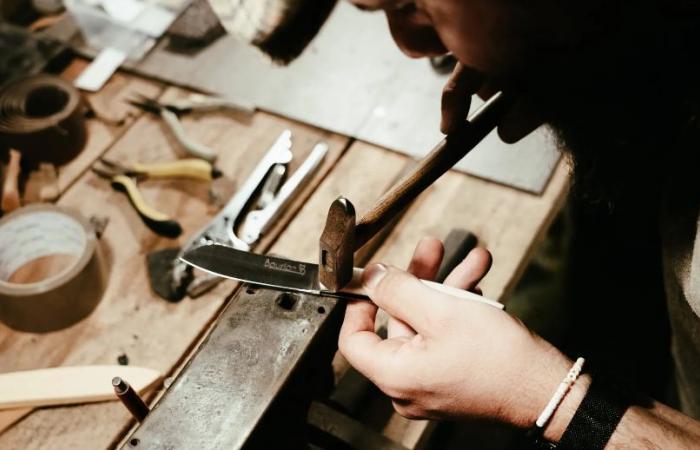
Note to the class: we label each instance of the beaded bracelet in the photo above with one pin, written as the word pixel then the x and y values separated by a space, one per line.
pixel 534 434
pixel 559 394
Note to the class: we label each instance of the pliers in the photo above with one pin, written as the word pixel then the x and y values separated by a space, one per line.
pixel 124 179
pixel 170 113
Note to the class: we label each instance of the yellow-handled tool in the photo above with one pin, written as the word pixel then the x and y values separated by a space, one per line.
pixel 124 179
pixel 157 221
pixel 193 168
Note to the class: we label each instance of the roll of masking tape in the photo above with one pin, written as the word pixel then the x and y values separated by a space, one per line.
pixel 52 272
pixel 43 117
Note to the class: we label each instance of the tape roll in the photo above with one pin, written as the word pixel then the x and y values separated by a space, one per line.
pixel 43 116
pixel 52 272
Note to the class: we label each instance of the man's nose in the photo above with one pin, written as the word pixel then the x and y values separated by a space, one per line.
pixel 415 38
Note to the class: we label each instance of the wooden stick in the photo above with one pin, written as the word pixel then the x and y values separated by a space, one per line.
pixel 441 159
pixel 68 385
pixel 9 417
pixel 10 188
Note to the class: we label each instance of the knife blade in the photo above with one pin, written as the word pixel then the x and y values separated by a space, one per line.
pixel 269 271
pixel 287 274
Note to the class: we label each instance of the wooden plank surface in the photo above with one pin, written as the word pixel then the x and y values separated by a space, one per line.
pixel 130 319
pixel 113 117
pixel 133 321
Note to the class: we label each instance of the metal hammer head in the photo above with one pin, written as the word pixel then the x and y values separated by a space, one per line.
pixel 280 28
pixel 337 245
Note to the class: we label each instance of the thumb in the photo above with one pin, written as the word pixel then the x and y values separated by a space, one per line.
pixel 403 296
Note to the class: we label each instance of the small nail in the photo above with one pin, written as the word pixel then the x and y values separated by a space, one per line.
pixel 373 275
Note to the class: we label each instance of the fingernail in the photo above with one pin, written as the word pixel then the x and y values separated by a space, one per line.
pixel 373 275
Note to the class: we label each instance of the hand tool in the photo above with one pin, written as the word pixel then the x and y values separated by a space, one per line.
pixel 197 26
pixel 170 114
pixel 341 236
pixel 258 222
pixel 280 28
pixel 207 103
pixel 190 168
pixel 272 184
pixel 124 179
pixel 130 399
pixel 290 275
pixel 68 385
pixel 170 277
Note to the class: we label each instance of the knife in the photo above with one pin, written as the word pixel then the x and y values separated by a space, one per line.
pixel 289 275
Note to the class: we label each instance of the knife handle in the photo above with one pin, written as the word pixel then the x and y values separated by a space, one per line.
pixel 355 287
pixel 442 158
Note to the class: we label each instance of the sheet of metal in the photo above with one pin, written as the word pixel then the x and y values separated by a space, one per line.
pixel 354 81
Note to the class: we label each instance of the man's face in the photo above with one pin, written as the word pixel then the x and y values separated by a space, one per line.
pixel 593 69
pixel 493 36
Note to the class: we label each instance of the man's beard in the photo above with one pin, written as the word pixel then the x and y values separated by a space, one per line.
pixel 624 108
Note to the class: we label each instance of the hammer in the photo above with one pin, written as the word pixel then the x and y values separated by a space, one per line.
pixel 342 235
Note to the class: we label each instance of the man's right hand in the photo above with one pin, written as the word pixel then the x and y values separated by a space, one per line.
pixel 456 101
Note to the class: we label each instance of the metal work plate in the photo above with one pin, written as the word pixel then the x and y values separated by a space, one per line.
pixel 351 80
pixel 221 396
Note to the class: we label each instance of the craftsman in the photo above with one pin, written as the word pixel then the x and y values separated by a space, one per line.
pixel 617 81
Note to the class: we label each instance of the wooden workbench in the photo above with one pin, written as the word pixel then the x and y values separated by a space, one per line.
pixel 131 320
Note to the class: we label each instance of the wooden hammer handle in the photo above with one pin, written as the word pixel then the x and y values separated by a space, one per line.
pixel 441 159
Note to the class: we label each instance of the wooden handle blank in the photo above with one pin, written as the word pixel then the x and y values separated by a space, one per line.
pixel 355 287
pixel 441 159
pixel 69 385
pixel 9 417
pixel 10 187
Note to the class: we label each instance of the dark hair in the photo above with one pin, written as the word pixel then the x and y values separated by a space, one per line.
pixel 625 102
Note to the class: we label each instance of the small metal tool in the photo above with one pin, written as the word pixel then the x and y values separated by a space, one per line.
pixel 206 103
pixel 342 236
pixel 170 114
pixel 171 278
pixel 130 398
pixel 191 168
pixel 258 222
pixel 124 178
pixel 272 184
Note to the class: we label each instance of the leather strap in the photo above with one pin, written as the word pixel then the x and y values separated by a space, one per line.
pixel 595 419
